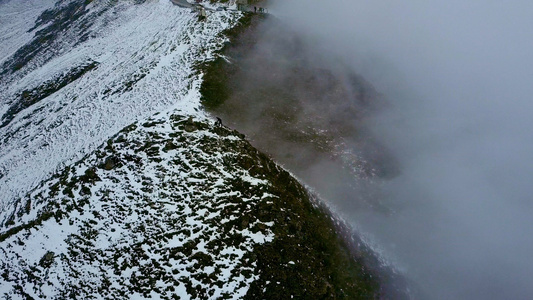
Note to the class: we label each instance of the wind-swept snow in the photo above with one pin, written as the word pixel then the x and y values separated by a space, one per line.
pixel 16 19
pixel 145 56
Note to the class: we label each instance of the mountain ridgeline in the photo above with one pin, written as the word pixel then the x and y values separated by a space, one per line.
pixel 174 205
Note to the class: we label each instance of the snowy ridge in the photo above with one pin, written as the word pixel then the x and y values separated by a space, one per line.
pixel 156 212
pixel 146 55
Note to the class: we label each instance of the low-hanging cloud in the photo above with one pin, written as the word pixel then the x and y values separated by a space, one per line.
pixel 459 78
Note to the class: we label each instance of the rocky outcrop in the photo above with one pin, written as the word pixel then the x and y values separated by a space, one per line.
pixel 178 207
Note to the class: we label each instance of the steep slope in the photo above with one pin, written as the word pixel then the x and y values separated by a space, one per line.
pixel 302 106
pixel 91 69
pixel 177 207
pixel 308 111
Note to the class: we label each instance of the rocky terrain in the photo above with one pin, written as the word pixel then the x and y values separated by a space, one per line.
pixel 176 207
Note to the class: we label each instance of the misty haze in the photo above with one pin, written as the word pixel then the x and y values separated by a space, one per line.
pixel 457 80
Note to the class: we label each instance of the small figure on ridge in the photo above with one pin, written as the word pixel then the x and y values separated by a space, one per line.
pixel 218 122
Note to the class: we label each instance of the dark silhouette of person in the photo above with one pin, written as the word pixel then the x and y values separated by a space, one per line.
pixel 218 122
pixel 255 9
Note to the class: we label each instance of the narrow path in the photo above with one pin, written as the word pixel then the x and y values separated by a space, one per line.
pixel 185 4
pixel 182 3
pixel 247 8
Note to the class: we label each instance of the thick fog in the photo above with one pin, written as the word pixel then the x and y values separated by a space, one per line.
pixel 458 76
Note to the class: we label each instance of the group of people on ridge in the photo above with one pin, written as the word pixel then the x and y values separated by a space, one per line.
pixel 261 10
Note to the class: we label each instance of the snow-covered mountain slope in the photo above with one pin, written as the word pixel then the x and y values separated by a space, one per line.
pixel 176 207
pixel 91 69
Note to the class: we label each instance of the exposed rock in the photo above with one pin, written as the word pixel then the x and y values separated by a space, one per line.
pixel 47 260
pixel 209 217
pixel 110 163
